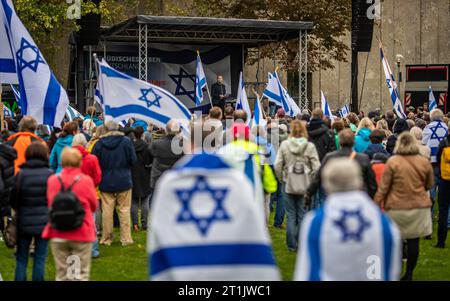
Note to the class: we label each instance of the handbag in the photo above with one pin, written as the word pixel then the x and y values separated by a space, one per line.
pixel 10 229
pixel 10 232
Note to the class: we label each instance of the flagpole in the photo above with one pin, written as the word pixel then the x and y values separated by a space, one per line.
pixel 206 79
pixel 2 113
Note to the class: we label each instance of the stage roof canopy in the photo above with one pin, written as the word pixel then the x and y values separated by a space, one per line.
pixel 193 30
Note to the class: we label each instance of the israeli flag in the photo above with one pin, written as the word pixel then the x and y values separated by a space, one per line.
pixel 277 94
pixel 41 94
pixel 344 111
pixel 71 113
pixel 205 225
pixel 325 107
pixel 8 73
pixel 392 86
pixel 432 104
pixel 258 114
pixel 126 97
pixel 242 100
pixel 7 112
pixel 200 81
pixel 348 239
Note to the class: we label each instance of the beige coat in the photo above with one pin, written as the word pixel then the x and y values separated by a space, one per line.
pixel 289 150
pixel 405 182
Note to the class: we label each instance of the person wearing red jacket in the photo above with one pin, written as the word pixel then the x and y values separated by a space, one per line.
pixel 89 163
pixel 76 244
pixel 90 167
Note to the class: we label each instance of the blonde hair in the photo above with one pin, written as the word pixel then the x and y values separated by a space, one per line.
pixel 416 132
pixel 406 145
pixel 79 139
pixel 366 122
pixel 70 157
pixel 298 129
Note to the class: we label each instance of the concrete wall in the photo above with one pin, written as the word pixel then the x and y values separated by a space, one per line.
pixel 417 29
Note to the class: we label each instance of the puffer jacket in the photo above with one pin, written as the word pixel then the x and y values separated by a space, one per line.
pixel 29 197
pixel 163 157
pixel 116 156
pixel 290 150
pixel 7 156
pixel 362 140
pixel 322 137
pixel 55 155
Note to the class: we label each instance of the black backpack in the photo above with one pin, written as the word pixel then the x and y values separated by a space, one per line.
pixel 66 212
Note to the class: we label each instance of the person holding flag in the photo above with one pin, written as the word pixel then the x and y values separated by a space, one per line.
pixel 229 241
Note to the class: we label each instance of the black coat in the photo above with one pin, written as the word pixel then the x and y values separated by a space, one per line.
pixel 370 183
pixel 7 156
pixel 163 157
pixel 217 90
pixel 29 197
pixel 400 126
pixel 141 170
pixel 322 137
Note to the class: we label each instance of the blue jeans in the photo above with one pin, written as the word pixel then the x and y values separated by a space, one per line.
pixel 40 254
pixel 295 211
pixel 95 250
pixel 277 197
pixel 319 198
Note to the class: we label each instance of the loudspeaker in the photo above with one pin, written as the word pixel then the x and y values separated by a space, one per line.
pixel 362 26
pixel 89 33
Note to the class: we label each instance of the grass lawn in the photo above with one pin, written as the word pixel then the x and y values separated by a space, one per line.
pixel 130 263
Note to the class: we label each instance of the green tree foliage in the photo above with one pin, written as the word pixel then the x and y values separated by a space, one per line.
pixel 332 20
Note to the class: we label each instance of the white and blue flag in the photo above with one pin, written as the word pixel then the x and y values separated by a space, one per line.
pixel 345 110
pixel 8 74
pixel 41 94
pixel 277 94
pixel 258 114
pixel 348 239
pixel 71 113
pixel 16 93
pixel 392 86
pixel 242 100
pixel 127 97
pixel 200 81
pixel 326 107
pixel 205 225
pixel 432 104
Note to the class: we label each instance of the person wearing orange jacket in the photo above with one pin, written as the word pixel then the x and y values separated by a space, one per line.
pixel 21 140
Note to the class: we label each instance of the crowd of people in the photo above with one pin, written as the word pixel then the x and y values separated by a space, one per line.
pixel 397 167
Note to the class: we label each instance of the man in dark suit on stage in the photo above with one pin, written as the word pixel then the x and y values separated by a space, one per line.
pixel 218 93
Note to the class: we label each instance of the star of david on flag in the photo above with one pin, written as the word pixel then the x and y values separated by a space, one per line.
pixel 153 101
pixel 181 89
pixel 352 225
pixel 217 195
pixel 41 95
